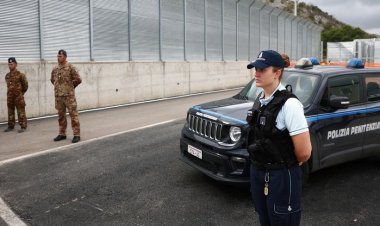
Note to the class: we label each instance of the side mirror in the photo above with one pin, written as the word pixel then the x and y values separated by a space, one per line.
pixel 339 102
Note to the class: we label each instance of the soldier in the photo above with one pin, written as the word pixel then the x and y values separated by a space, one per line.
pixel 65 79
pixel 17 85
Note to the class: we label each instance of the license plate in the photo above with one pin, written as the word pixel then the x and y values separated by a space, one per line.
pixel 194 151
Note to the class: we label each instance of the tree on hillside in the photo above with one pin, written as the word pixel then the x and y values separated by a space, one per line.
pixel 343 33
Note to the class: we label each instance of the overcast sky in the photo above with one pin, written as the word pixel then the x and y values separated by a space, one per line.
pixel 358 13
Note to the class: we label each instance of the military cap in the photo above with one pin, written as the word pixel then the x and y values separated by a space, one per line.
pixel 12 60
pixel 63 52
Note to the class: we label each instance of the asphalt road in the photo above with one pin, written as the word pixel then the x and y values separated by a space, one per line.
pixel 40 133
pixel 137 179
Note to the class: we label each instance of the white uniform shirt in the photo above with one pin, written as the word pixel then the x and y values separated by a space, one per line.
pixel 291 115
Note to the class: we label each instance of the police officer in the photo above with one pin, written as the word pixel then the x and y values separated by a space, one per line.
pixel 17 85
pixel 278 144
pixel 65 79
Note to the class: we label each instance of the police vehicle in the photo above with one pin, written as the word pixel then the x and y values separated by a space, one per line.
pixel 341 105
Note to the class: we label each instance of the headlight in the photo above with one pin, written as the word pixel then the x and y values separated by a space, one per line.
pixel 235 133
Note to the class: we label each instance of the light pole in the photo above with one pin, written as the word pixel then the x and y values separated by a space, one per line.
pixel 295 7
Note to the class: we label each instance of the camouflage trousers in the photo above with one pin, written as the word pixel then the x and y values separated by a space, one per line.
pixel 18 103
pixel 69 102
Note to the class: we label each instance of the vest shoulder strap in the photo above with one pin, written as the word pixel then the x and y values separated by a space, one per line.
pixel 280 97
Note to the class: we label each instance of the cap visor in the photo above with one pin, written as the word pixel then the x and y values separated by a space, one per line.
pixel 257 64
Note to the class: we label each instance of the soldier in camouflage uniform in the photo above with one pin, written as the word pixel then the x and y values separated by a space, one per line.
pixel 65 79
pixel 17 85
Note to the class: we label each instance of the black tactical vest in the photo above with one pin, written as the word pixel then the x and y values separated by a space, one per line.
pixel 269 147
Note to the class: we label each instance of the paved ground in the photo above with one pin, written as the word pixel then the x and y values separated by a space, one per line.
pixel 136 178
pixel 40 133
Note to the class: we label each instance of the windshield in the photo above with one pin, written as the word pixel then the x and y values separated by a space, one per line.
pixel 302 85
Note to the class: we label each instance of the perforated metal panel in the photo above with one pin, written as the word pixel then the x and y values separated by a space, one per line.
pixel 144 30
pixel 288 37
pixel 172 29
pixel 305 42
pixel 255 33
pixel 281 34
pixel 214 30
pixel 264 30
pixel 19 30
pixel 377 51
pixel 229 30
pixel 340 51
pixel 243 31
pixel 66 25
pixel 309 41
pixel 273 31
pixel 195 29
pixel 110 30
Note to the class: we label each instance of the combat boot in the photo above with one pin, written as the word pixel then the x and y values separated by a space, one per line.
pixel 76 139
pixel 60 137
pixel 22 130
pixel 8 129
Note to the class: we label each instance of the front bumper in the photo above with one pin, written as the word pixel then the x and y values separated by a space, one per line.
pixel 227 166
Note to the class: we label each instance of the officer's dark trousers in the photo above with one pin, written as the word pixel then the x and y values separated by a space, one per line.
pixel 282 205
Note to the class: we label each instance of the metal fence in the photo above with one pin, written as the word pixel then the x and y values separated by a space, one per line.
pixel 151 30
pixel 366 49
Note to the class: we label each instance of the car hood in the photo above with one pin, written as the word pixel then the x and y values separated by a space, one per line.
pixel 230 109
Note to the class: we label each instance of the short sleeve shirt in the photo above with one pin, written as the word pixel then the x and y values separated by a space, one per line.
pixel 291 115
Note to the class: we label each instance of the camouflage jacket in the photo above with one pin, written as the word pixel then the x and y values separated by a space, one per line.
pixel 65 78
pixel 17 83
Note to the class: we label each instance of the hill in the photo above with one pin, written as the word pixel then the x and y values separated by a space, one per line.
pixel 333 29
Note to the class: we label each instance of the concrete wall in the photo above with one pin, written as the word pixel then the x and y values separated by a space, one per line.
pixel 112 83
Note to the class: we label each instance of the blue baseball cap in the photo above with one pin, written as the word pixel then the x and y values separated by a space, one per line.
pixel 266 59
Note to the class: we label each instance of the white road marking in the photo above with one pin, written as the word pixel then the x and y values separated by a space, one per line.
pixel 66 147
pixel 8 216
pixel 131 104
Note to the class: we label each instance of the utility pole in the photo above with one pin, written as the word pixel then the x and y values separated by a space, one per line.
pixel 295 7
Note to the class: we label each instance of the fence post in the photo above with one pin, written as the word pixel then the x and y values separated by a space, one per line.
pixel 222 14
pixel 159 32
pixel 291 38
pixel 40 10
pixel 129 31
pixel 184 31
pixel 205 29
pixel 237 28
pixel 91 31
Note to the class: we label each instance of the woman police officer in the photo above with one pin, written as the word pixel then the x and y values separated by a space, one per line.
pixel 279 143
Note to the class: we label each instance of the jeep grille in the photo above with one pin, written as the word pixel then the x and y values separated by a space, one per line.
pixel 205 127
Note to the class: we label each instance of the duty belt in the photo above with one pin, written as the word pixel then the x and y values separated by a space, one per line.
pixel 272 166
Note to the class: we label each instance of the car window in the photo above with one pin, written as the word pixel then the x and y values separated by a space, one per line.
pixel 372 83
pixel 302 84
pixel 344 85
